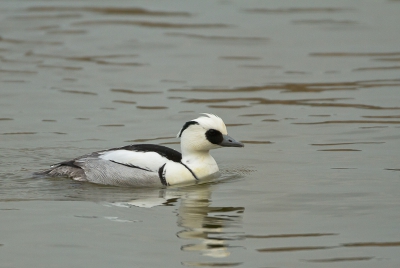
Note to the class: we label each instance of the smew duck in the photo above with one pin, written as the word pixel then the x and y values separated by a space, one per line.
pixel 150 164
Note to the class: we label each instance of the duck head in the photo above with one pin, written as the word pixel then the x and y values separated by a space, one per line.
pixel 205 133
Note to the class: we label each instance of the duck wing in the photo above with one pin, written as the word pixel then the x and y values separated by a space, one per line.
pixel 133 165
pixel 149 157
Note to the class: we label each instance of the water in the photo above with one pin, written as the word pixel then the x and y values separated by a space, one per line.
pixel 311 88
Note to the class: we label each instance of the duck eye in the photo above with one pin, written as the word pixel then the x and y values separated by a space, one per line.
pixel 214 136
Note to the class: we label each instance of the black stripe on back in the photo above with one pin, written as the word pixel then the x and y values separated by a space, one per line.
pixel 166 152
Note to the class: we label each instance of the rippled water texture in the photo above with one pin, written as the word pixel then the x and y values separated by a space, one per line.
pixel 312 88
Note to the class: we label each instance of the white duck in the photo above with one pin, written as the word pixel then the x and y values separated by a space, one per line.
pixel 150 164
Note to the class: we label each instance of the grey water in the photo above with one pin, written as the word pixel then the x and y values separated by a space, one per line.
pixel 311 88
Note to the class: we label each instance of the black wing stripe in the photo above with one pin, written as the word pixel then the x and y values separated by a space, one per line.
pixel 191 171
pixel 130 165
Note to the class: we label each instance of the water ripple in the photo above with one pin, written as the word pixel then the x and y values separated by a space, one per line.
pixel 301 87
pixel 110 10
pixel 324 102
pixel 343 259
pixel 298 10
pixel 151 24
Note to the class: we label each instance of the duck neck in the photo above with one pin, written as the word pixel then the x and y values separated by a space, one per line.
pixel 201 163
pixel 192 157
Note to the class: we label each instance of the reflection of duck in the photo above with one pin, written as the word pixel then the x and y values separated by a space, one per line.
pixel 209 226
pixel 153 165
pixel 208 229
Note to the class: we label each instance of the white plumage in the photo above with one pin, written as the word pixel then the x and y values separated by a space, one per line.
pixel 153 165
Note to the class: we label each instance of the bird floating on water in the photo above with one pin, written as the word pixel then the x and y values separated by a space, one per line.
pixel 151 165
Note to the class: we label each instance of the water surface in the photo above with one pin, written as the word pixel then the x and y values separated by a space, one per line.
pixel 311 88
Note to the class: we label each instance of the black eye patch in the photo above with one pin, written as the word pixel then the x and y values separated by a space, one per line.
pixel 214 136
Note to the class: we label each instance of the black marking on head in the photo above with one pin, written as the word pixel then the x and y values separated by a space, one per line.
pixel 214 136
pixel 191 171
pixel 130 165
pixel 186 125
pixel 166 152
pixel 161 174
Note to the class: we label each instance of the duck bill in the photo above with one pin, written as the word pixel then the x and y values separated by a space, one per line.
pixel 228 141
